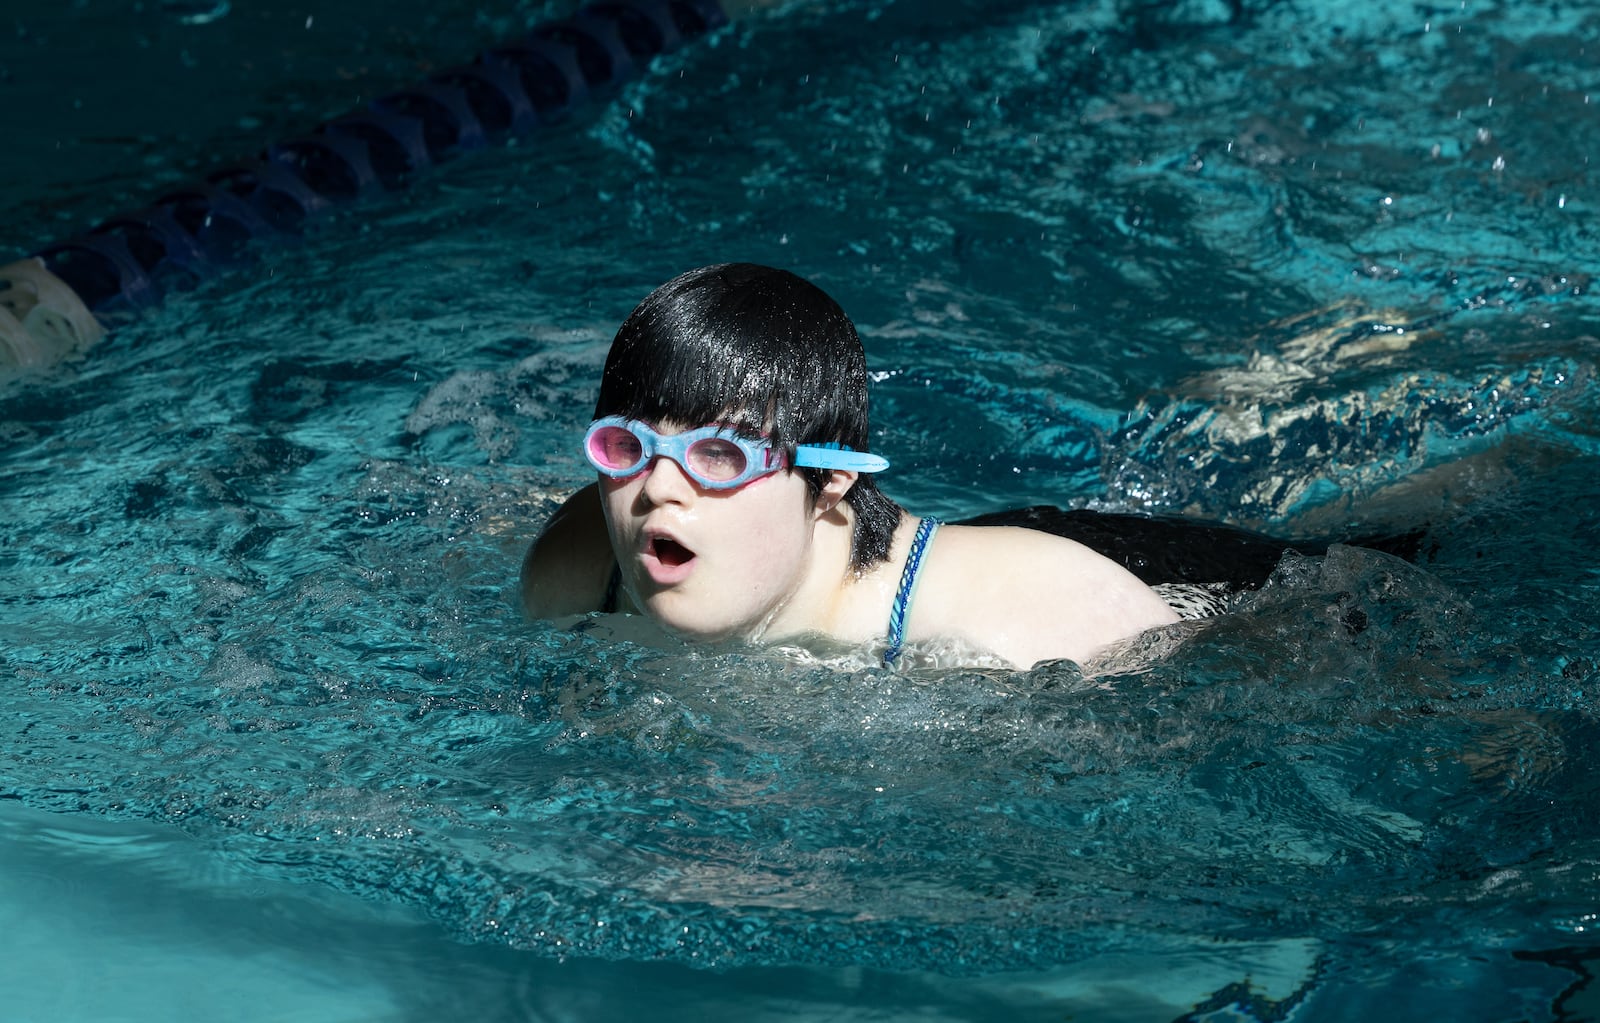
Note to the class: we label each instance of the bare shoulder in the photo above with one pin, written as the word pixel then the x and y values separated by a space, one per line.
pixel 1031 596
pixel 1030 552
pixel 567 568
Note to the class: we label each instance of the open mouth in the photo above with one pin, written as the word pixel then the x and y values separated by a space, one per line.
pixel 670 552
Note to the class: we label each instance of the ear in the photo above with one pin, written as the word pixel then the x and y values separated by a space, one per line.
pixel 838 484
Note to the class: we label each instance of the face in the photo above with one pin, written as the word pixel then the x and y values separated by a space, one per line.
pixel 710 564
pixel 44 305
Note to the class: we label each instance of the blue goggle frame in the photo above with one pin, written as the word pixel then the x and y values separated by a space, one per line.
pixel 715 457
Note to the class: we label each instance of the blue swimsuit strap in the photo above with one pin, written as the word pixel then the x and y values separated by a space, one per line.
pixel 908 590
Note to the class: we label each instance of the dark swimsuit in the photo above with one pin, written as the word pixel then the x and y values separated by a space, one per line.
pixel 1198 568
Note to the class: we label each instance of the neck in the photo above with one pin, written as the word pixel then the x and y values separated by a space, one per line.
pixel 835 600
pixel 816 604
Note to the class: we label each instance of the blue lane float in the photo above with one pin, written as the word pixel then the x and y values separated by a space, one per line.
pixel 128 262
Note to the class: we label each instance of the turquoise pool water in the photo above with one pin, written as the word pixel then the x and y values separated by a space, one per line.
pixel 277 744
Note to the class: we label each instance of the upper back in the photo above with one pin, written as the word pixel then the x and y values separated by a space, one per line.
pixel 1028 596
pixel 567 569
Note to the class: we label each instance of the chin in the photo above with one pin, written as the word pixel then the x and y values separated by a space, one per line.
pixel 699 634
pixel 693 629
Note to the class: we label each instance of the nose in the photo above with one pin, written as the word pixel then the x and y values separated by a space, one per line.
pixel 665 482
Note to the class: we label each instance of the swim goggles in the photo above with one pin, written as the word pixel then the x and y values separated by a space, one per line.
pixel 713 456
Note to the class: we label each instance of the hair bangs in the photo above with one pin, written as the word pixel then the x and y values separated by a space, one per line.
pixel 763 351
pixel 696 388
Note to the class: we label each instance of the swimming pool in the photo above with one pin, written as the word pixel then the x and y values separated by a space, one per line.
pixel 277 744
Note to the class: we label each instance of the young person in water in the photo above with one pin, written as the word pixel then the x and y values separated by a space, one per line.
pixel 737 499
pixel 42 320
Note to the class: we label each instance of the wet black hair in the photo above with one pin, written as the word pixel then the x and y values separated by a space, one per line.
pixel 761 350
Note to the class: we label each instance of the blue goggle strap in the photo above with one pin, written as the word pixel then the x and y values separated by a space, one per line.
pixel 838 456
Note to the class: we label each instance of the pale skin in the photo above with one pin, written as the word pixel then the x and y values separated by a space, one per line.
pixel 42 321
pixel 769 562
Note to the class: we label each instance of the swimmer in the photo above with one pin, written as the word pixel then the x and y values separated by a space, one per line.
pixel 42 320
pixel 737 500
